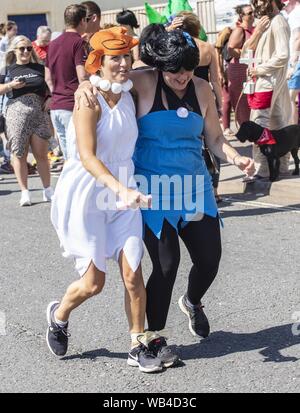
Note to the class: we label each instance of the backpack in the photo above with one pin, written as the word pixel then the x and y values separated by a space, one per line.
pixel 222 43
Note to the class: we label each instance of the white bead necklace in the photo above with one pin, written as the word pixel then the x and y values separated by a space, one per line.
pixel 106 85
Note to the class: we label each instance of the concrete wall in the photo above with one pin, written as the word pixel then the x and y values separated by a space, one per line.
pixel 55 8
pixel 205 9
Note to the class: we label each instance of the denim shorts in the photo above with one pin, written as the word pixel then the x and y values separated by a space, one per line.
pixel 60 120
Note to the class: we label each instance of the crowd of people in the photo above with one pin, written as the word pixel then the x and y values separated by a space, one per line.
pixel 159 120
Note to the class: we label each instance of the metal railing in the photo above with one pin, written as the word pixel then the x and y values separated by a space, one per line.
pixel 205 9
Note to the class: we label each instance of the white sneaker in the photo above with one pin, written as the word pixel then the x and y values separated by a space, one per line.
pixel 25 198
pixel 48 194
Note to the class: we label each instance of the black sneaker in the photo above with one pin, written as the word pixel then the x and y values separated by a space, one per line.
pixel 159 347
pixel 6 168
pixel 198 322
pixel 144 359
pixel 56 337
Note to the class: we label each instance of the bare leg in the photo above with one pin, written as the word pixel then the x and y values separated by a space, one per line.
pixel 21 170
pixel 135 296
pixel 39 148
pixel 293 95
pixel 88 286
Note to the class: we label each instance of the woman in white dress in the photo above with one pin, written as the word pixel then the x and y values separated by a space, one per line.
pixel 100 172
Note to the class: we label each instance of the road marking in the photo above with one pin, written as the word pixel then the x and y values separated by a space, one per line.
pixel 2 324
pixel 263 205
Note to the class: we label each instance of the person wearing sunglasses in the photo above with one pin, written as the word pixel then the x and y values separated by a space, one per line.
pixel 93 19
pixel 237 72
pixel 174 109
pixel 90 227
pixel 27 122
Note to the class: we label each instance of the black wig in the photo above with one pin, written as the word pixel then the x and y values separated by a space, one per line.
pixel 128 18
pixel 168 51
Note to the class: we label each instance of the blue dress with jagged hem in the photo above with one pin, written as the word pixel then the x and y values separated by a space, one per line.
pixel 169 165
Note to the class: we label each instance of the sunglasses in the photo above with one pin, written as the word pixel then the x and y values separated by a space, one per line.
pixel 249 13
pixel 28 49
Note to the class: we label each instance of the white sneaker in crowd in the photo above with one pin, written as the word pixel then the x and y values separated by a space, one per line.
pixel 25 198
pixel 48 194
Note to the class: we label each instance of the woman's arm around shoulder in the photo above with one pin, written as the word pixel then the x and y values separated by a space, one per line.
pixel 86 94
pixel 143 79
pixel 85 120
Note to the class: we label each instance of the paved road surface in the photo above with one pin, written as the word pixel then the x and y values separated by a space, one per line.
pixel 250 307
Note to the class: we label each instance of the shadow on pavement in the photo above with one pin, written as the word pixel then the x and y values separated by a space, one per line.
pixel 222 343
pixel 233 199
pixel 94 354
pixel 4 193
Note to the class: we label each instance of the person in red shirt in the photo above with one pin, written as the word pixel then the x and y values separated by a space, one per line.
pixel 41 44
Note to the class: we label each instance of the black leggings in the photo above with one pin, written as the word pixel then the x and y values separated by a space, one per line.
pixel 203 242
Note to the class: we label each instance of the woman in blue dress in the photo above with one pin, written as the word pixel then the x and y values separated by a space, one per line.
pixel 174 109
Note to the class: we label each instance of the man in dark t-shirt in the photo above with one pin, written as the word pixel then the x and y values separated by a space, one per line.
pixel 65 70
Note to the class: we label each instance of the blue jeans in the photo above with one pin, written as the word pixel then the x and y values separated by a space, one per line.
pixel 60 120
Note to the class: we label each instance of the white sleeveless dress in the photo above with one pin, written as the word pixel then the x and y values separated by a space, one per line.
pixel 89 230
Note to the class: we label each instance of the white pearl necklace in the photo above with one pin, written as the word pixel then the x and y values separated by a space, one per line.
pixel 106 85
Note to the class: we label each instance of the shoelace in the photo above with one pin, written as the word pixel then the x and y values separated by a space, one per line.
pixel 158 343
pixel 161 349
pixel 145 349
pixel 60 330
pixel 197 312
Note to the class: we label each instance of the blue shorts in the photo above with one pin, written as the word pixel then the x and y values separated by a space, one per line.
pixel 294 82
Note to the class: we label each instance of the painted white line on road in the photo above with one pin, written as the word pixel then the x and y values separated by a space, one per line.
pixel 2 324
pixel 262 205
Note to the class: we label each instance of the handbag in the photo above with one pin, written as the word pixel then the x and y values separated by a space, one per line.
pixel 260 100
pixel 210 161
